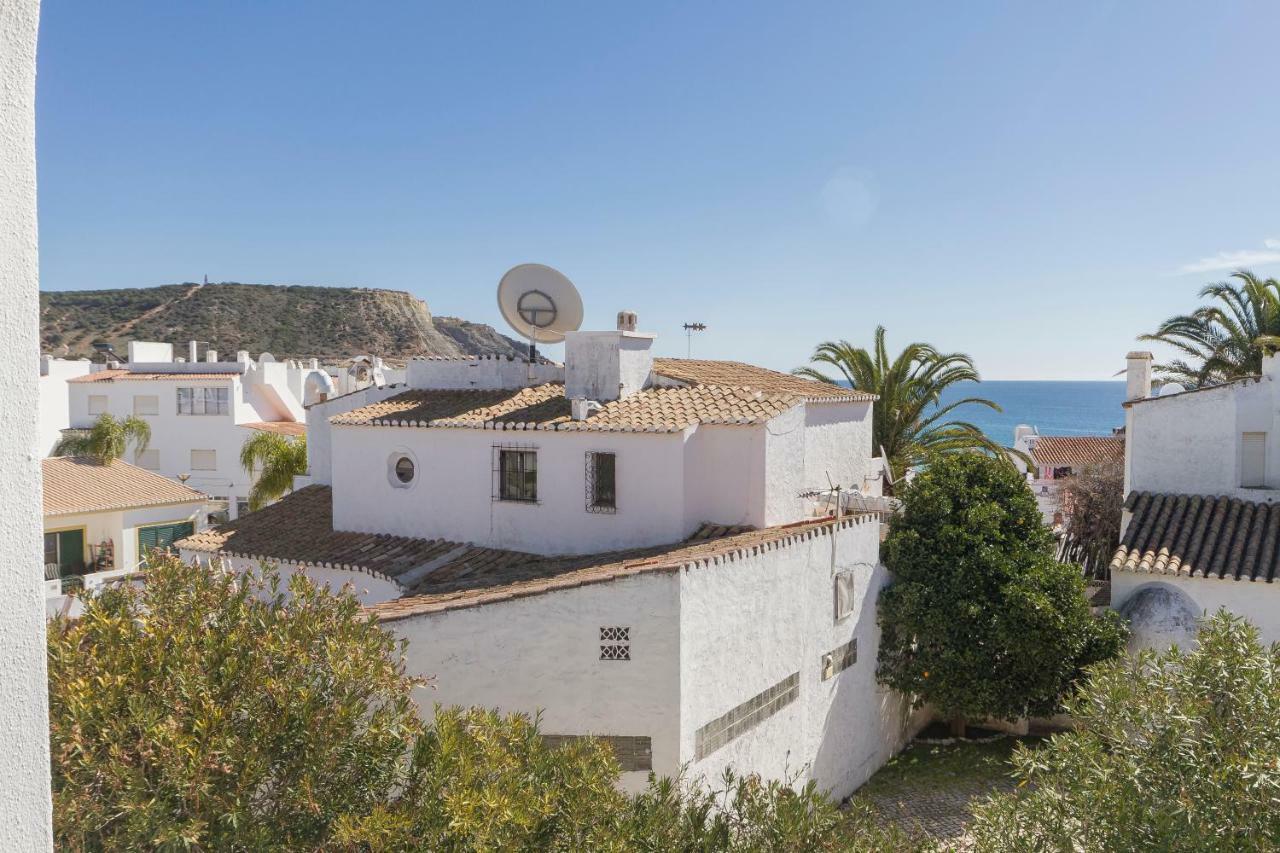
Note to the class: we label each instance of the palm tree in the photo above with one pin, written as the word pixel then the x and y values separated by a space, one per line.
pixel 908 421
pixel 1225 339
pixel 278 459
pixel 107 440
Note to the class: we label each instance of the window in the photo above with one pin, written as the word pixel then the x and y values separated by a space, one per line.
pixel 615 643
pixel 64 549
pixel 845 594
pixel 204 460
pixel 97 404
pixel 517 474
pixel 1253 460
pixel 404 469
pixel 242 507
pixel 203 401
pixel 602 495
pixel 161 536
pixel 146 404
pixel 149 459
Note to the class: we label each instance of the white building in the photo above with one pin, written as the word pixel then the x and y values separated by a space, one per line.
pixel 1201 523
pixel 100 521
pixel 200 413
pixel 1056 457
pixel 55 398
pixel 630 545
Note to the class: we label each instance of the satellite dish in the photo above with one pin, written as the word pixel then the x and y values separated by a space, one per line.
pixel 539 303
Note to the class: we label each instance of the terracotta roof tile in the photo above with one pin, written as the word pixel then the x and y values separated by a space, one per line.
pixel 128 375
pixel 1200 536
pixel 1078 450
pixel 278 427
pixel 737 374
pixel 75 484
pixel 441 575
pixel 544 407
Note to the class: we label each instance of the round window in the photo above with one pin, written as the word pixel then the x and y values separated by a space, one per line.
pixel 404 469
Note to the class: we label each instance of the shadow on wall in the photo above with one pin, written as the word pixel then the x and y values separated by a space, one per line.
pixel 1160 616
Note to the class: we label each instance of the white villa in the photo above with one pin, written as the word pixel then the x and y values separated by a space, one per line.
pixel 200 412
pixel 1056 458
pixel 100 520
pixel 642 548
pixel 55 398
pixel 1201 523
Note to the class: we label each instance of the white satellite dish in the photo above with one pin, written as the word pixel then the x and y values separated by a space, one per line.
pixel 539 303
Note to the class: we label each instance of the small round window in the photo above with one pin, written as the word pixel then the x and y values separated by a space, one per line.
pixel 404 469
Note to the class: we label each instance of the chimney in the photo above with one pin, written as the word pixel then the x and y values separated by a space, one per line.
pixel 626 321
pixel 211 355
pixel 193 351
pixel 606 366
pixel 1138 375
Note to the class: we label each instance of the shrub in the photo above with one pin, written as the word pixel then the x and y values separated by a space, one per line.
pixel 203 711
pixel 981 620
pixel 1173 751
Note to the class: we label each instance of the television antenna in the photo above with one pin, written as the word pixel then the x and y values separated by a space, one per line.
pixel 689 329
pixel 540 304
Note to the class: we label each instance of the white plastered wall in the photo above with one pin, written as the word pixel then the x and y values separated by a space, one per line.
pixel 368 589
pixel 838 446
pixel 543 653
pixel 320 433
pixel 724 479
pixel 55 404
pixel 748 623
pixel 1257 601
pixel 25 804
pixel 452 495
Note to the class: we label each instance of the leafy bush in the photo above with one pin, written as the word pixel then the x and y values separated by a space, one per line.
pixel 1176 751
pixel 207 710
pixel 981 620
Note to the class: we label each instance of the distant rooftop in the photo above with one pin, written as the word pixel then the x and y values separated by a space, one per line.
pixel 1053 450
pixel 75 485
pixel 129 375
pixel 278 427
pixel 737 374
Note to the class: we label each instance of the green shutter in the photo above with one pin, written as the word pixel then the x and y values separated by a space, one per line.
pixel 163 535
pixel 71 552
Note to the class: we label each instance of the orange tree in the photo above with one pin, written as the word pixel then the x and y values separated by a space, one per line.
pixel 981 620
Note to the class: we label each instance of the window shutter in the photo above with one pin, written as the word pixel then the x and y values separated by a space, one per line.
pixel 1253 460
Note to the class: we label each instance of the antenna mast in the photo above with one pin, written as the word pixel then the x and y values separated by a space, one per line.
pixel 689 329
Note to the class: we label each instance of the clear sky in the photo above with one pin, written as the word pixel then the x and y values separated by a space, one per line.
pixel 1032 183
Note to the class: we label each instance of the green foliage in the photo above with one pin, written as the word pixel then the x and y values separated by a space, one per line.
pixel 208 711
pixel 981 620
pixel 277 459
pixel 1225 339
pixel 205 710
pixel 908 421
pixel 107 440
pixel 1177 751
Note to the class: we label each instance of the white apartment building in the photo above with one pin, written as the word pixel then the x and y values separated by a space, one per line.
pixel 55 398
pixel 641 549
pixel 1202 518
pixel 200 412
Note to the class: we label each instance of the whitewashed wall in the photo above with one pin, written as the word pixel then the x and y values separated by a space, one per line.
pixel 785 468
pixel 838 443
pixel 319 431
pixel 1190 443
pixel 543 653
pixel 368 589
pixel 24 709
pixel 748 623
pixel 1257 601
pixel 452 496
pixel 724 476
pixel 55 398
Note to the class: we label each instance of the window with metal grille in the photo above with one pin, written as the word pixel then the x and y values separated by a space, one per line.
pixel 615 642
pixel 515 474
pixel 203 401
pixel 602 494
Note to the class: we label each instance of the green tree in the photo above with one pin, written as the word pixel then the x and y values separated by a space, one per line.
pixel 206 710
pixel 1172 751
pixel 1227 338
pixel 278 459
pixel 107 440
pixel 981 620
pixel 908 420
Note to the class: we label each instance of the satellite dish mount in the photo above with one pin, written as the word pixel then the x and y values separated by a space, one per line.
pixel 540 304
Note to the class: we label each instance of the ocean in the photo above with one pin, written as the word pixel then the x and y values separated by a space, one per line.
pixel 1055 408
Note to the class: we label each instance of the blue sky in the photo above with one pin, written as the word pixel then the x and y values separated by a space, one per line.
pixel 1034 184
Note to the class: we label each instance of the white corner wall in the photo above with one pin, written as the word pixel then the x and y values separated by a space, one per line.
pixel 25 805
pixel 542 653
pixel 1257 601
pixel 55 404
pixel 748 623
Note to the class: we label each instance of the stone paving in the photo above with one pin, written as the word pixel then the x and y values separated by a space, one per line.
pixel 941 814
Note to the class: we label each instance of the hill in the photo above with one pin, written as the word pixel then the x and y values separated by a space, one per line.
pixel 288 321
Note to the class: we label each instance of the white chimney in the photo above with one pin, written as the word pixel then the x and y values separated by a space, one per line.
pixel 626 321
pixel 193 351
pixel 605 366
pixel 210 355
pixel 1138 375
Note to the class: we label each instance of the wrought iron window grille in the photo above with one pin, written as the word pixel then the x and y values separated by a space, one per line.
pixel 602 482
